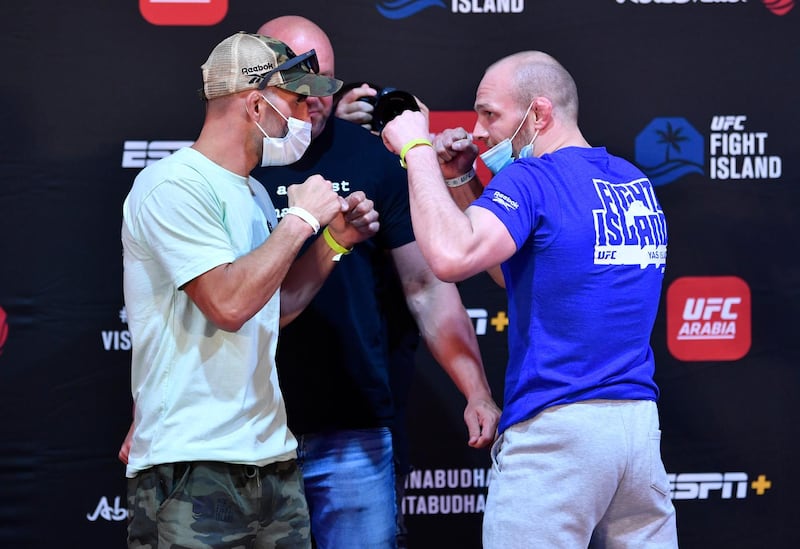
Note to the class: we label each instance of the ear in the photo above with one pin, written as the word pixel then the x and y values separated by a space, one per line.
pixel 543 111
pixel 254 105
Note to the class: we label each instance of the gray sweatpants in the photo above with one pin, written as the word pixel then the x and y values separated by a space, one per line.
pixel 581 475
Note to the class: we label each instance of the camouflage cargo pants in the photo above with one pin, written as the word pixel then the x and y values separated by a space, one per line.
pixel 209 505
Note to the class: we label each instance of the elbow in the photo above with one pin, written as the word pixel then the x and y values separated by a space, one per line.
pixel 448 269
pixel 228 319
pixel 229 326
pixel 287 318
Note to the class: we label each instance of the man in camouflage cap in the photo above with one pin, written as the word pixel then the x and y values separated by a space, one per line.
pixel 248 61
pixel 209 275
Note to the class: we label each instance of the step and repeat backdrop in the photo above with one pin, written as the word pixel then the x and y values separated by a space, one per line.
pixel 701 94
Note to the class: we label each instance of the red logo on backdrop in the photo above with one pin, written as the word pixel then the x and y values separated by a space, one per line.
pixel 708 318
pixel 779 7
pixel 3 329
pixel 442 120
pixel 198 13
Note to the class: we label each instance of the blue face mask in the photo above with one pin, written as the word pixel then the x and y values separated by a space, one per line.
pixel 499 156
pixel 502 154
pixel 527 150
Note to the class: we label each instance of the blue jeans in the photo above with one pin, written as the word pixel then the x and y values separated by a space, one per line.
pixel 349 484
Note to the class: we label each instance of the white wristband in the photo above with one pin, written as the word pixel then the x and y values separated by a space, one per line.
pixel 306 216
pixel 461 179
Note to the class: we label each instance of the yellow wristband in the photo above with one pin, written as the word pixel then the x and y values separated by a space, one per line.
pixel 410 145
pixel 335 246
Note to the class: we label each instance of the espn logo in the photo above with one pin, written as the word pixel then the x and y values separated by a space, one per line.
pixel 708 318
pixel 138 154
pixel 479 317
pixel 702 485
pixel 716 485
pixel 198 13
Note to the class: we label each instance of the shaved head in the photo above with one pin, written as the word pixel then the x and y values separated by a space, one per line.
pixel 537 74
pixel 302 35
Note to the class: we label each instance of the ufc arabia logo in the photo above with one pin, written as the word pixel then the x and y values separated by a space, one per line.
pixel 708 318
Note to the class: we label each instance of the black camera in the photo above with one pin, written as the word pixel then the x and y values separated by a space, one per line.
pixel 388 103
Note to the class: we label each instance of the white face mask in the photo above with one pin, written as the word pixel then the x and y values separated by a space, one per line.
pixel 502 154
pixel 281 151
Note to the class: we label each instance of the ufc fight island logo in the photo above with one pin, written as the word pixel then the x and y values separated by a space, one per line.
pixel 708 318
pixel 630 228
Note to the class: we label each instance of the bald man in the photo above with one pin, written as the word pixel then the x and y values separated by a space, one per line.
pixel 581 240
pixel 341 398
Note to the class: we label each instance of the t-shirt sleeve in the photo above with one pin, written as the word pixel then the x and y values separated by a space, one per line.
pixel 182 223
pixel 393 207
pixel 514 196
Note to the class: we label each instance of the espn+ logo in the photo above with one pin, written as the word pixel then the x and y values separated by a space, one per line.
pixel 708 318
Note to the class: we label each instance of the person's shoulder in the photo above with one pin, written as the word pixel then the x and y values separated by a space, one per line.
pixel 182 159
pixel 162 167
pixel 370 147
pixel 185 168
pixel 354 132
pixel 575 157
pixel 572 152
pixel 621 164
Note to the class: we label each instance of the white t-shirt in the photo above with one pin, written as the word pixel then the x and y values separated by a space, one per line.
pixel 201 393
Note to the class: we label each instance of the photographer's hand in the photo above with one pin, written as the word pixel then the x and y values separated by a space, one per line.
pixel 423 108
pixel 351 109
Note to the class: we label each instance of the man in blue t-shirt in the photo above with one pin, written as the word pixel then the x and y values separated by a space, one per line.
pixel 335 360
pixel 580 240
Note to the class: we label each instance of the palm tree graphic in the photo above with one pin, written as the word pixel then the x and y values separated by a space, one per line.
pixel 671 137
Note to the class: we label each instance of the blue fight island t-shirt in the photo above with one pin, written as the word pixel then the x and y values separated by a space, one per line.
pixel 585 282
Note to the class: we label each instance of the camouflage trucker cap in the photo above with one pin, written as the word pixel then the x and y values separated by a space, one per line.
pixel 246 61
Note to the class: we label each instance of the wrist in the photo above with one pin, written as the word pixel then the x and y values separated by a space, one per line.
pixel 462 179
pixel 338 249
pixel 306 216
pixel 410 145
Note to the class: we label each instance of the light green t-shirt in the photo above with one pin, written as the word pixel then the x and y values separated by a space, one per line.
pixel 201 393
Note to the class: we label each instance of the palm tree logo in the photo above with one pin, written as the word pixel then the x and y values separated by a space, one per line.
pixel 669 148
pixel 672 138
